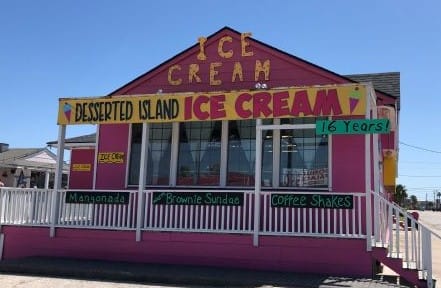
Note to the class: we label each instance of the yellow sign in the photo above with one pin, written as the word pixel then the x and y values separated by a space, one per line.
pixel 111 157
pixel 332 100
pixel 389 167
pixel 81 167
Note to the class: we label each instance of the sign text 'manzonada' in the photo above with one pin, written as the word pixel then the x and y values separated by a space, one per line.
pixel 86 197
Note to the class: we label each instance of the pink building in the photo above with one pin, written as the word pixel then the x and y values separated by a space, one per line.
pixel 231 154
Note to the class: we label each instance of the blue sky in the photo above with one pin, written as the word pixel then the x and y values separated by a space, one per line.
pixel 53 49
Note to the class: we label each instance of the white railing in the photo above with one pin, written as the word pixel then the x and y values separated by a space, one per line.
pixel 199 218
pixel 316 222
pixel 33 207
pixel 403 236
pixel 25 206
pixel 97 216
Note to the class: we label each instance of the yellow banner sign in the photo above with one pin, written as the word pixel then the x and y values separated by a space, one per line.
pixel 81 167
pixel 335 100
pixel 111 157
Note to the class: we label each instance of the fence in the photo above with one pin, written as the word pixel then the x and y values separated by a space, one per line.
pixel 33 207
pixel 393 227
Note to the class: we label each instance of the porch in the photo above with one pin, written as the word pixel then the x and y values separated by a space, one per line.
pixel 256 234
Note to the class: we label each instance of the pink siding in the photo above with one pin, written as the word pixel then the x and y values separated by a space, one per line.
pixel 112 138
pixel 348 163
pixel 388 140
pixel 82 179
pixel 299 254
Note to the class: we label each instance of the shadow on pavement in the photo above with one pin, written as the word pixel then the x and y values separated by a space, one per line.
pixel 190 276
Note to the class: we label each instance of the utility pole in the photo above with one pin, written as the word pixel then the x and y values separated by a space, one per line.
pixel 437 204
pixel 425 205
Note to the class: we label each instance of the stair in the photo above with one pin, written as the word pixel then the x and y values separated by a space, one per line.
pixel 411 274
pixel 397 231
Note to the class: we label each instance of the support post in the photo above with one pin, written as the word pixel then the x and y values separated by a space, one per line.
pixel 141 182
pixel 2 241
pixel 377 182
pixel 367 167
pixel 257 182
pixel 58 178
pixel 47 175
pixel 95 164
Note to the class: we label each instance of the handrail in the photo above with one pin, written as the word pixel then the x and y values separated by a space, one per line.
pixel 408 239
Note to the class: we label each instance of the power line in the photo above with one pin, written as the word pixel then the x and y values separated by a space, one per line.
pixel 420 148
pixel 420 176
pixel 424 188
pixel 420 162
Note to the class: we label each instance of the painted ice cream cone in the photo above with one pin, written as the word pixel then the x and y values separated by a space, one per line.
pixel 67 111
pixel 354 98
pixel 353 103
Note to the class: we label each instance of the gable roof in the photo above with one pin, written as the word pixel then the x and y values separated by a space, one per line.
pixel 386 84
pixel 35 158
pixel 84 140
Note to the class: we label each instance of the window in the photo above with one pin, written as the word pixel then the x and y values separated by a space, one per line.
pixel 158 157
pixel 303 155
pixel 294 157
pixel 267 155
pixel 159 154
pixel 135 154
pixel 199 153
pixel 241 152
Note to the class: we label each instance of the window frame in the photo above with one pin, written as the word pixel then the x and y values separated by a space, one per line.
pixel 276 138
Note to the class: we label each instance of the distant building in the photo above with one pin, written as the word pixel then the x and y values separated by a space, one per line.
pixel 28 167
pixel 80 173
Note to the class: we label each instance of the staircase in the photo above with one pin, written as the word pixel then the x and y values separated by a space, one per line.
pixel 410 275
pixel 402 243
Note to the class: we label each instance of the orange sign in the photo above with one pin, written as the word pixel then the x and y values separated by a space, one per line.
pixel 111 157
pixel 81 167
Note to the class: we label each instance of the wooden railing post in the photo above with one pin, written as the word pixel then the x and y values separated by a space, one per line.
pixel 427 254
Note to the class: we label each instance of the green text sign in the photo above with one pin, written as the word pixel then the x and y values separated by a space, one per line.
pixel 352 126
pixel 332 201
pixel 82 197
pixel 198 198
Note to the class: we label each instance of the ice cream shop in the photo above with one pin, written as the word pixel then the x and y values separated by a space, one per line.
pixel 232 153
